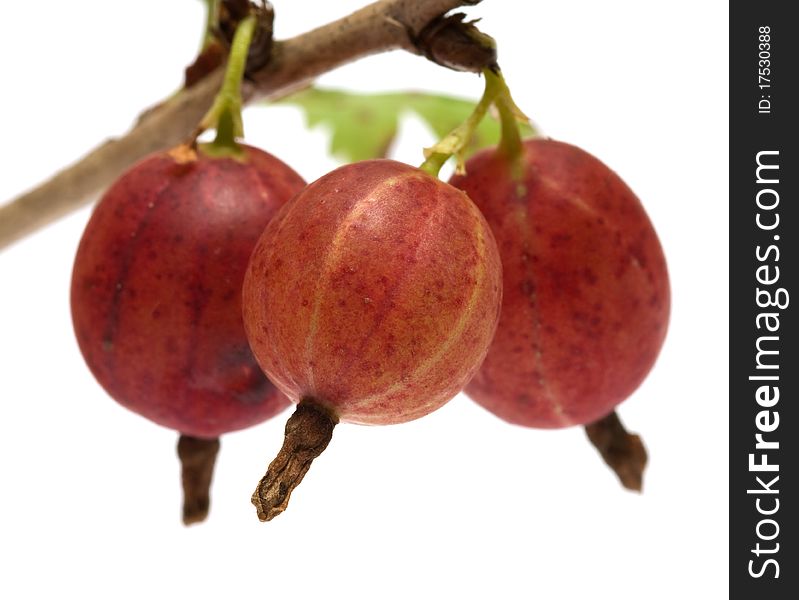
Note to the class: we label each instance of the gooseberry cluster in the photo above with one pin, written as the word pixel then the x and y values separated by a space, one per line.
pixel 212 287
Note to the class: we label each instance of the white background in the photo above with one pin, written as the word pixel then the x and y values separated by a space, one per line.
pixel 456 505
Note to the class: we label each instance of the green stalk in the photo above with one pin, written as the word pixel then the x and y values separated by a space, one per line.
pixel 510 142
pixel 433 163
pixel 456 141
pixel 225 113
pixel 211 22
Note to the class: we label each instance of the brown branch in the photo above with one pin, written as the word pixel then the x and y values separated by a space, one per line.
pixel 381 26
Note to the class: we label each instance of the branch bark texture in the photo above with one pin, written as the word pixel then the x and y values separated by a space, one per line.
pixel 379 27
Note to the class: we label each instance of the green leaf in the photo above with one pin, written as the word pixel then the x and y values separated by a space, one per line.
pixel 363 126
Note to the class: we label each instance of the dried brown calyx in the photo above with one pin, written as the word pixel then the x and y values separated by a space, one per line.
pixel 308 432
pixel 197 460
pixel 622 451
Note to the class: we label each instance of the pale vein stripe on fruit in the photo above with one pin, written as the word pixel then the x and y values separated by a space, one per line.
pixel 322 283
pixel 557 188
pixel 574 199
pixel 391 293
pixel 557 407
pixel 457 331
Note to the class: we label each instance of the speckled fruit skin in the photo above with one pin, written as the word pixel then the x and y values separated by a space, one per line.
pixel 375 292
pixel 156 289
pixel 586 302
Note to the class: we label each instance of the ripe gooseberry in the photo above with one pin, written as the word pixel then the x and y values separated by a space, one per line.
pixel 371 298
pixel 586 294
pixel 156 297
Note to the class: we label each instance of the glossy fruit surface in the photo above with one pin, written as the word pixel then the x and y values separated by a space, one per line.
pixel 156 288
pixel 375 292
pixel 586 290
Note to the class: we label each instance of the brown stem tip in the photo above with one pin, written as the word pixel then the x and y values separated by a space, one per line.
pixel 308 432
pixel 197 460
pixel 453 42
pixel 623 451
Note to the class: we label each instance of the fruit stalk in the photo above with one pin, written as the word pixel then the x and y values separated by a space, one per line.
pixel 456 141
pixel 211 23
pixel 197 459
pixel 622 451
pixel 225 113
pixel 308 432
pixel 509 117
